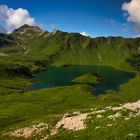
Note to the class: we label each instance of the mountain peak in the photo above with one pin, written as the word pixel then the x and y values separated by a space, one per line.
pixel 27 29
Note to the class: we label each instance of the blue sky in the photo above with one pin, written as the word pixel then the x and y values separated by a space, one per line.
pixel 95 17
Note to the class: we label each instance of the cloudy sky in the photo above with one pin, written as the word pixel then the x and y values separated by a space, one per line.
pixel 89 17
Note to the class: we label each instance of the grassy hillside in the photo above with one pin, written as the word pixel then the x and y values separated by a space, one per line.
pixel 91 78
pixel 49 105
pixel 29 50
pixel 61 48
pixel 71 49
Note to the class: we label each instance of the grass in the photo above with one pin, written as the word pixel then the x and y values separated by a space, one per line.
pixel 19 107
pixel 88 78
pixel 13 85
pixel 16 109
pixel 118 131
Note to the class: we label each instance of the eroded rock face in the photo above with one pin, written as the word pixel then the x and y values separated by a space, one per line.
pixel 132 106
pixel 73 123
pixel 25 33
pixel 28 30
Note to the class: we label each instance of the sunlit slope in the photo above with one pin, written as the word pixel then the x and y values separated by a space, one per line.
pixel 61 48
pixel 33 48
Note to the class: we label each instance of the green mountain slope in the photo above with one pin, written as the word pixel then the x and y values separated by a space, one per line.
pixel 62 48
pixel 33 49
pixel 29 50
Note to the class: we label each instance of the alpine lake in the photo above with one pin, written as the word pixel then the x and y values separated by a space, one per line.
pixel 63 76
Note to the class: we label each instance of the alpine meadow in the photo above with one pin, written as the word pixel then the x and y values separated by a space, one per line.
pixel 69 85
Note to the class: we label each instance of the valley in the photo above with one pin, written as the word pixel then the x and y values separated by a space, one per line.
pixel 48 79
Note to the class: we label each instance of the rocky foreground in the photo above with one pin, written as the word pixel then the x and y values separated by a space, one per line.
pixel 76 121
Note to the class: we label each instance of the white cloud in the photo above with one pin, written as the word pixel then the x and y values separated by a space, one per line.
pixel 132 9
pixel 13 19
pixel 84 34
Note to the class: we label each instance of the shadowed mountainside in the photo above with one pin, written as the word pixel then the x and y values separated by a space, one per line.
pixel 34 49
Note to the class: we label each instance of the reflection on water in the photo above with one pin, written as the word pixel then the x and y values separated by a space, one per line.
pixel 52 77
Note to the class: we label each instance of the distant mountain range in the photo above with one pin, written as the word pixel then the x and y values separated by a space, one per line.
pixel 28 34
pixel 59 48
